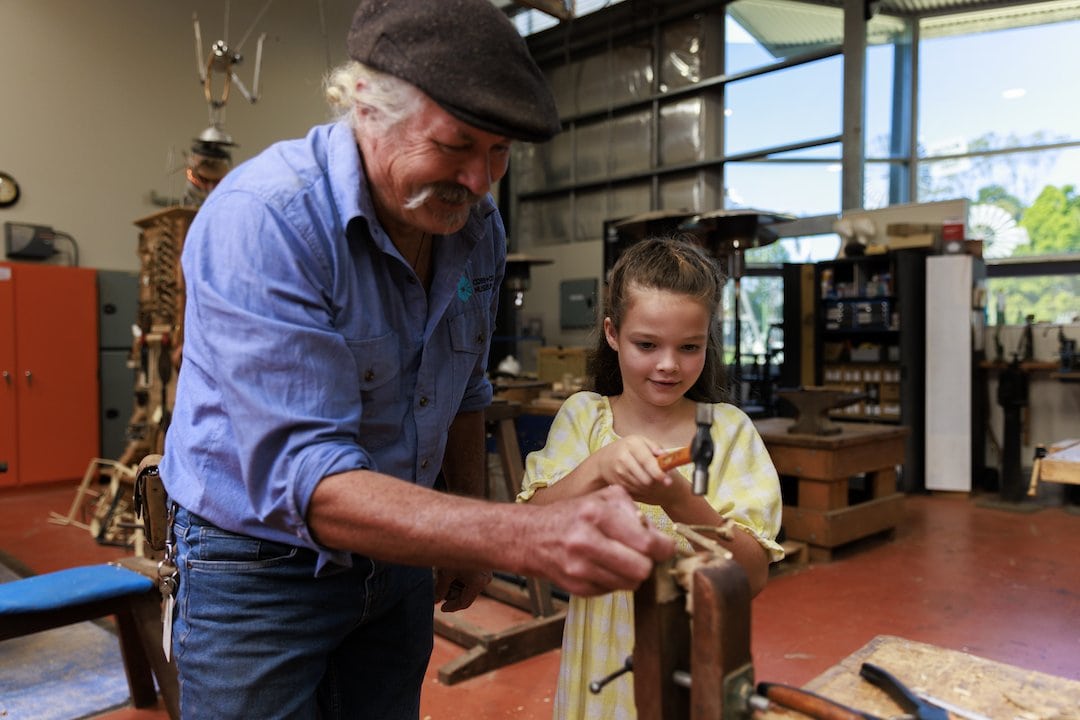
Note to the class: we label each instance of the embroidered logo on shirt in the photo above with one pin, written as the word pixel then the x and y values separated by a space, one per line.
pixel 483 284
pixel 464 289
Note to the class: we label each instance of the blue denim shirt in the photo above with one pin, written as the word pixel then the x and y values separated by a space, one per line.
pixel 311 348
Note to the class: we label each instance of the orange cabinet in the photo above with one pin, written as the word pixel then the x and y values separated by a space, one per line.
pixel 49 415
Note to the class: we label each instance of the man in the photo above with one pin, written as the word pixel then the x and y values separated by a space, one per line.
pixel 341 295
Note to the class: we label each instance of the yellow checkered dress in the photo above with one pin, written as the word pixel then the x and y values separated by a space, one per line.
pixel 599 633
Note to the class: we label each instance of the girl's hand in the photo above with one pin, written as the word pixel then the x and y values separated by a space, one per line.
pixel 631 464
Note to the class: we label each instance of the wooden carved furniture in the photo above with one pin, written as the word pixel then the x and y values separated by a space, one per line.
pixel 156 352
pixel 161 323
pixel 824 466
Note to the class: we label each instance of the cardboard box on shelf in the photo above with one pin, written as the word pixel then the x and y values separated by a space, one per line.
pixel 554 363
pixel 899 242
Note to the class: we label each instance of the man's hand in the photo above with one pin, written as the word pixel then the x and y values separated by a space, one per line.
pixel 596 543
pixel 456 589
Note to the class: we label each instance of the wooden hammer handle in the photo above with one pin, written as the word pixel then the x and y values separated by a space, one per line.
pixel 675 458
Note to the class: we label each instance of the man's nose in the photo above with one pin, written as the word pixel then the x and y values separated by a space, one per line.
pixel 477 173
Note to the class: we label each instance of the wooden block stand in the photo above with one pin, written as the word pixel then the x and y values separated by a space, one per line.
pixel 824 466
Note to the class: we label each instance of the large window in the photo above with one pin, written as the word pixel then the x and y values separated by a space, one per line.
pixel 1004 132
pixel 740 105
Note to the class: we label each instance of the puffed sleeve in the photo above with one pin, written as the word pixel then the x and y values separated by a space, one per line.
pixel 744 485
pixel 570 440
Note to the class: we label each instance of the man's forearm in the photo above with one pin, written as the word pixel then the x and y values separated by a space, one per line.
pixel 465 462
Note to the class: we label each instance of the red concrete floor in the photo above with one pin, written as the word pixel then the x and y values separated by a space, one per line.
pixel 998 584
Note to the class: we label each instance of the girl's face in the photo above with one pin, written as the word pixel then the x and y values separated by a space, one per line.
pixel 661 344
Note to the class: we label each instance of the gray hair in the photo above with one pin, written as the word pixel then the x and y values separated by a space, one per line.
pixel 354 85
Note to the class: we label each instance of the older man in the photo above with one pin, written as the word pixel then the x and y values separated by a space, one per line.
pixel 341 296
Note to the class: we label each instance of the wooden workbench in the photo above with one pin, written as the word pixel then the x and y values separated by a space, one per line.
pixel 824 465
pixel 1061 464
pixel 977 685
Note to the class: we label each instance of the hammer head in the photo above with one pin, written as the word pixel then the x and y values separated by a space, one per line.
pixel 701 449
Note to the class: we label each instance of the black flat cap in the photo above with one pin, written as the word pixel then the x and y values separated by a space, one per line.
pixel 466 55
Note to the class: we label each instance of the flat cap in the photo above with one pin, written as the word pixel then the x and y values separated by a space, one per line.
pixel 466 55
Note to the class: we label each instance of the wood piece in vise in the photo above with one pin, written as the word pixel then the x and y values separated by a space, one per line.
pixel 716 652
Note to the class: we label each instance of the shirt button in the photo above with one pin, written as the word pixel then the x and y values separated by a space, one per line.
pixel 423 401
pixel 480 338
pixel 423 464
pixel 369 375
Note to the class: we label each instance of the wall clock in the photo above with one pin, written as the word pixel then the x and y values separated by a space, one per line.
pixel 9 190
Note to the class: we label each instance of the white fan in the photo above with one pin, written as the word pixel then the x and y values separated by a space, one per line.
pixel 997 229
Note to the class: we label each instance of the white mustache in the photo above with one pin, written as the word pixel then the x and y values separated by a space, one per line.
pixel 447 192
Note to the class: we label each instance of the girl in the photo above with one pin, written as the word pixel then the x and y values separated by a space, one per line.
pixel 658 355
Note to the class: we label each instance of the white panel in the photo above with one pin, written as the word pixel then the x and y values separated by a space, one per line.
pixel 948 372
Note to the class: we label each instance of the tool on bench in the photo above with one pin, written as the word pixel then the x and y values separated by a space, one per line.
pixel 817 706
pixel 809 703
pixel 700 450
pixel 901 694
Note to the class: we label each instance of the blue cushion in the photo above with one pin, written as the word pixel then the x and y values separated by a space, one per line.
pixel 73 586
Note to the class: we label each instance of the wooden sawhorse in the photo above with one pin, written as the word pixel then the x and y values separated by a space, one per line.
pixel 543 632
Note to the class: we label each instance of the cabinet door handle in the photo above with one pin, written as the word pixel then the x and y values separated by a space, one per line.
pixel 29 377
pixel 7 377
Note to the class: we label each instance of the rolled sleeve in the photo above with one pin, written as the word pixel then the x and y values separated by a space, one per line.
pixel 267 340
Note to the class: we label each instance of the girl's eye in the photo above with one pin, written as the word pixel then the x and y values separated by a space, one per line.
pixel 645 345
pixel 691 348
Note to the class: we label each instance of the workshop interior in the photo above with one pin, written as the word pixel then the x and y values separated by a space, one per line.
pixel 890 189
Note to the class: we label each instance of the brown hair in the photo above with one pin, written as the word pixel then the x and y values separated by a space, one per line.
pixel 675 264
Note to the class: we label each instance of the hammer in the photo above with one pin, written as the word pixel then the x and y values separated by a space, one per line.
pixel 699 451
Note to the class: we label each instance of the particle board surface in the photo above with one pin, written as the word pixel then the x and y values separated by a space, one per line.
pixel 993 689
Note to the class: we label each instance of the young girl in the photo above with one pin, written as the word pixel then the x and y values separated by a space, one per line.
pixel 658 355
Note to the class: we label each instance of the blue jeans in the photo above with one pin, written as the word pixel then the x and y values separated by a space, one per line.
pixel 257 635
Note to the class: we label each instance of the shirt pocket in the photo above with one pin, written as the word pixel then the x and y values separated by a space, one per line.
pixel 469 331
pixel 378 374
pixel 469 341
